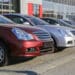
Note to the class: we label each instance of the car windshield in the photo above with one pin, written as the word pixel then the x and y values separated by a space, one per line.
pixel 4 20
pixel 37 21
pixel 64 23
pixel 51 21
pixel 70 22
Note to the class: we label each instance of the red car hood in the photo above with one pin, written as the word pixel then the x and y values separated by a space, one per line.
pixel 21 26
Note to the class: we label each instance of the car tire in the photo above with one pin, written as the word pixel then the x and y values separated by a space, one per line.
pixel 53 49
pixel 55 46
pixel 3 55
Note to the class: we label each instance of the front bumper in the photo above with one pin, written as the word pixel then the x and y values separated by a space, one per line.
pixel 48 46
pixel 26 48
pixel 65 42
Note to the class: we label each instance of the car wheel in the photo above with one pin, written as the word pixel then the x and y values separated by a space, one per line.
pixel 55 46
pixel 53 49
pixel 56 49
pixel 3 55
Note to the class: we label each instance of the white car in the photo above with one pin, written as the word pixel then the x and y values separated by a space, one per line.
pixel 63 36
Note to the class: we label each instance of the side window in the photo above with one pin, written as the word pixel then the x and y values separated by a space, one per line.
pixel 61 23
pixel 17 19
pixel 51 21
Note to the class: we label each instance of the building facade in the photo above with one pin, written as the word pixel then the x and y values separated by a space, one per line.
pixel 40 8
pixel 31 7
pixel 6 6
pixel 58 8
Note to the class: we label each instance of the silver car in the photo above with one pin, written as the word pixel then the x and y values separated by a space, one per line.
pixel 60 22
pixel 62 36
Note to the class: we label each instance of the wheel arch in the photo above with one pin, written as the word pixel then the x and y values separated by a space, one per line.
pixel 54 39
pixel 6 45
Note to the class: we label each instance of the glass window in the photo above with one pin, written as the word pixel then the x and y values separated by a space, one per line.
pixel 8 5
pixel 17 19
pixel 51 21
pixel 36 9
pixel 5 0
pixel 37 21
pixel 63 23
pixel 0 6
pixel 70 22
pixel 5 7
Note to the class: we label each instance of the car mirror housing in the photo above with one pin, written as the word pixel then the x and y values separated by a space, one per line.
pixel 57 24
pixel 27 23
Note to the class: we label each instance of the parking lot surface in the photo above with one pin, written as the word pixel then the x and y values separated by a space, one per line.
pixel 65 69
pixel 39 65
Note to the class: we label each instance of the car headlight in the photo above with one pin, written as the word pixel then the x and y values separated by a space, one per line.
pixel 64 32
pixel 22 35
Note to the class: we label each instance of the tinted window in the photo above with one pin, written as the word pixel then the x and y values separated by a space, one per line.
pixel 63 23
pixel 37 21
pixel 70 22
pixel 17 19
pixel 51 21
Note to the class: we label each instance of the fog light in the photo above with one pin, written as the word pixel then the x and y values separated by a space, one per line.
pixel 69 42
pixel 30 50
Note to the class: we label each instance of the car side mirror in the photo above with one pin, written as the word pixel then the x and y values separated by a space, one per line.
pixel 57 24
pixel 26 23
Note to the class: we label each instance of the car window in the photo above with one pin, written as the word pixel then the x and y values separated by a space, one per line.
pixel 51 21
pixel 70 22
pixel 37 21
pixel 63 23
pixel 17 19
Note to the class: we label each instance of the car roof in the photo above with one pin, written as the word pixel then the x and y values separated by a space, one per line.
pixel 18 14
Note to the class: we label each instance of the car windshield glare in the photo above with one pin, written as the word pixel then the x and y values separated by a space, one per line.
pixel 38 21
pixel 64 23
pixel 70 22
pixel 4 20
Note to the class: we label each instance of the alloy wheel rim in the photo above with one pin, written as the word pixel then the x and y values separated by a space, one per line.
pixel 1 54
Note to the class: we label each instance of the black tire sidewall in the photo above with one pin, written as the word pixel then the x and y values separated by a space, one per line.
pixel 5 60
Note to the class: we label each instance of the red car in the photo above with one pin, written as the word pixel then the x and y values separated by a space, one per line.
pixel 22 41
pixel 15 41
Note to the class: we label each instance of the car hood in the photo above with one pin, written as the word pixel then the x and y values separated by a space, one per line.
pixel 29 29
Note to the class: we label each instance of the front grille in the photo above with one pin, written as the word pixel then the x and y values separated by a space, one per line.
pixel 48 44
pixel 42 35
pixel 73 32
pixel 47 47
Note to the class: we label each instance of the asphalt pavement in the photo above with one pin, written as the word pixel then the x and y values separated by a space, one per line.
pixel 60 63
pixel 65 69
